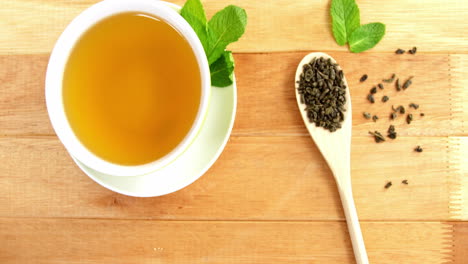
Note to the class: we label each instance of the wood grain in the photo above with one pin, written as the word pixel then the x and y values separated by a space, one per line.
pixel 266 104
pixel 74 241
pixel 270 198
pixel 29 26
pixel 265 83
pixel 256 178
pixel 22 104
pixel 459 188
pixel 459 93
pixel 460 242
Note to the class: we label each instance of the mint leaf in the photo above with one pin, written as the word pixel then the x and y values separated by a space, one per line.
pixel 222 70
pixel 225 27
pixel 345 19
pixel 194 14
pixel 366 37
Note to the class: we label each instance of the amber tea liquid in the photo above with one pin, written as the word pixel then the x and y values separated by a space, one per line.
pixel 131 89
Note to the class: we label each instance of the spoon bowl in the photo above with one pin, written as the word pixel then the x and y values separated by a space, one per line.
pixel 336 149
pixel 336 145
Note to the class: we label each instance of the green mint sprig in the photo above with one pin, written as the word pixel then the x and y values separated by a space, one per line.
pixel 345 19
pixel 225 27
pixel 222 69
pixel 366 37
pixel 346 27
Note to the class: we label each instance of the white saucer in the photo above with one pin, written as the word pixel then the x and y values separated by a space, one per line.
pixel 189 166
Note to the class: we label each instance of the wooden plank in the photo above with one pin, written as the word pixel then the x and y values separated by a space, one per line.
pixel 266 104
pixel 274 25
pixel 459 93
pixel 459 187
pixel 256 178
pixel 266 89
pixel 460 242
pixel 120 241
pixel 22 104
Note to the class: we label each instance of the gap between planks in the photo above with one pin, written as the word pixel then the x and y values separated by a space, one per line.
pixel 392 221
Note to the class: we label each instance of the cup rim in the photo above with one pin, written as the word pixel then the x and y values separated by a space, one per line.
pixel 59 58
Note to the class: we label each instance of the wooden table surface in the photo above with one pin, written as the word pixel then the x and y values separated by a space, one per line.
pixel 270 198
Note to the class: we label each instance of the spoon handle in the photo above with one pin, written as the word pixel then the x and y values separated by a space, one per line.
pixel 353 224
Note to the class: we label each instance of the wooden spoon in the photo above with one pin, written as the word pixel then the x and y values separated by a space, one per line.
pixel 336 149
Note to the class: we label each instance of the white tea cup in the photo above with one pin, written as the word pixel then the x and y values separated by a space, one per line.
pixel 58 61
